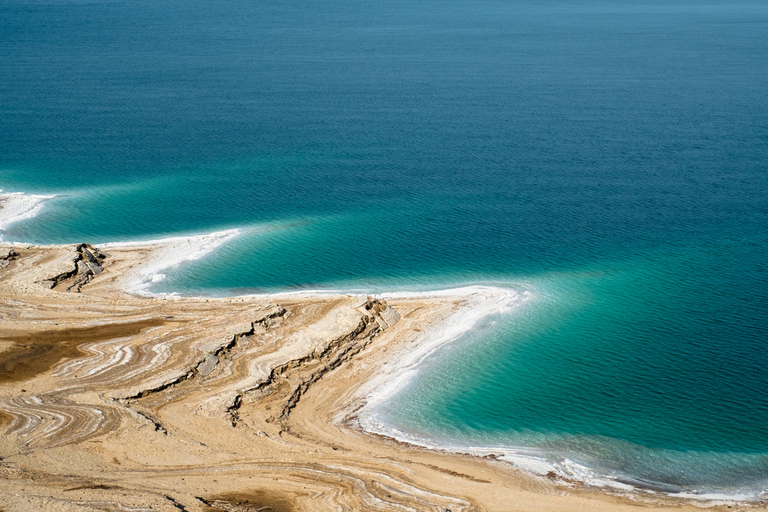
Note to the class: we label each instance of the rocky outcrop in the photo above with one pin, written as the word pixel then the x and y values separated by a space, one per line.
pixel 288 382
pixel 6 260
pixel 210 361
pixel 88 264
pixel 202 368
pixel 381 312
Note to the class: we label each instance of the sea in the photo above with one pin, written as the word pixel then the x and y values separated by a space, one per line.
pixel 608 158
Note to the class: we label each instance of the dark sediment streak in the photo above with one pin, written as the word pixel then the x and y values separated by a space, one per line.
pixel 256 500
pixel 36 353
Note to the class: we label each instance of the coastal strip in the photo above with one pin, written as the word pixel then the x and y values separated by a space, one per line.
pixel 234 403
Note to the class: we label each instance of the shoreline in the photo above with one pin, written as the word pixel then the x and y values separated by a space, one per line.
pixel 17 206
pixel 133 266
pixel 169 252
pixel 387 383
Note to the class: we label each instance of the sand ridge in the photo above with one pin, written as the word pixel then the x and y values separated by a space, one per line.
pixel 112 401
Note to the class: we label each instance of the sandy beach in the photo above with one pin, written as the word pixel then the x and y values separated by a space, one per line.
pixel 111 400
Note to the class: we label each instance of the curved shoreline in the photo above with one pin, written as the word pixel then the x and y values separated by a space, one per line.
pixel 17 206
pixel 168 253
pixel 480 303
pixel 145 260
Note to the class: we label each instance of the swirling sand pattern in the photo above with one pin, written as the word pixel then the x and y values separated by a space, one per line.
pixel 111 401
pixel 47 422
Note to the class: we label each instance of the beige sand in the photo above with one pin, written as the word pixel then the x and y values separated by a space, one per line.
pixel 110 401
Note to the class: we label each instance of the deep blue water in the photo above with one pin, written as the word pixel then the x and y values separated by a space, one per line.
pixel 611 154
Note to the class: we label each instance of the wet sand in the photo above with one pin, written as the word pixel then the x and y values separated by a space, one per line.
pixel 111 401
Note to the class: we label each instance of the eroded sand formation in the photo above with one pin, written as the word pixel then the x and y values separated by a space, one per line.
pixel 110 401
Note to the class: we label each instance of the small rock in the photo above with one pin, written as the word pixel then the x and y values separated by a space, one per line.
pixel 206 367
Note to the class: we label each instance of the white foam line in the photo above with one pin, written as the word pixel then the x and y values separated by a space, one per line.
pixel 479 302
pixel 529 461
pixel 16 206
pixel 715 499
pixel 458 293
pixel 169 253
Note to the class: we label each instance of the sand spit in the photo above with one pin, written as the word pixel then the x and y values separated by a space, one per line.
pixel 15 207
pixel 167 253
pixel 114 401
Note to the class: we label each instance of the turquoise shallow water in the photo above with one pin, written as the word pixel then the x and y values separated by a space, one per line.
pixel 610 154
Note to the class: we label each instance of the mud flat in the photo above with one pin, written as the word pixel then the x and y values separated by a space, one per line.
pixel 116 401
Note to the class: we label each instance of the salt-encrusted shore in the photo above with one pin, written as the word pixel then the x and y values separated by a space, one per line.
pixel 169 253
pixel 111 398
pixel 16 207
